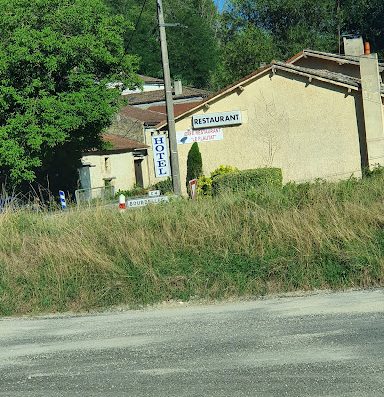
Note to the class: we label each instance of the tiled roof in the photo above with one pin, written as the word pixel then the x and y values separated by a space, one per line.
pixel 179 108
pixel 146 116
pixel 319 74
pixel 322 73
pixel 159 95
pixel 122 143
pixel 343 59
pixel 148 79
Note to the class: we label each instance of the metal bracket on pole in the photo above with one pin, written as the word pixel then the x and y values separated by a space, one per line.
pixel 172 25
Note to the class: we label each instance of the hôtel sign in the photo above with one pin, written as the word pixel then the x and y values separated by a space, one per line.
pixel 160 155
pixel 216 119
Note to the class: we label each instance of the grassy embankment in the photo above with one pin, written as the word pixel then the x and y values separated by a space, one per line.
pixel 313 236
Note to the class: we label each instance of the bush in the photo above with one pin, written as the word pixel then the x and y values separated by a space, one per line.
pixel 164 186
pixel 204 183
pixel 204 186
pixel 247 179
pixel 223 170
pixel 194 163
pixel 134 192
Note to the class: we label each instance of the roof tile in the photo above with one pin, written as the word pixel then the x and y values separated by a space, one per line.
pixel 159 95
pixel 179 108
pixel 122 143
pixel 146 116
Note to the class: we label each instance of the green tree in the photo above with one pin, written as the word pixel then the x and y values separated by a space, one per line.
pixel 242 54
pixel 192 46
pixel 366 18
pixel 56 58
pixel 194 163
pixel 297 24
pixel 257 31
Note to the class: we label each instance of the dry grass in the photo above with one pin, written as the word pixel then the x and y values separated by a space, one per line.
pixel 311 236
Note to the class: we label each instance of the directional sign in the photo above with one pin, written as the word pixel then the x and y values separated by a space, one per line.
pixel 143 201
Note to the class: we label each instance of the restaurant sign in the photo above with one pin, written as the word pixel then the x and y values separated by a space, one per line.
pixel 204 135
pixel 216 119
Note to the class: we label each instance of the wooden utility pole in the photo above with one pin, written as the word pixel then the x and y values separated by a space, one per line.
pixel 339 25
pixel 169 102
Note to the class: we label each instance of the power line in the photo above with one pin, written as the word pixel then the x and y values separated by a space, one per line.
pixel 137 24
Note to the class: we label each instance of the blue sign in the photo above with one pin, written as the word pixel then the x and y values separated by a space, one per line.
pixel 160 155
pixel 62 200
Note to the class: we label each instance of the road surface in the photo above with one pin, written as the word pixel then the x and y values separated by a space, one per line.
pixel 319 345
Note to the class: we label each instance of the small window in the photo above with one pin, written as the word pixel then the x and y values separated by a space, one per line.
pixel 107 163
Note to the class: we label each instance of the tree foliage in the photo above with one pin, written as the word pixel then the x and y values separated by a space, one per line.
pixel 257 31
pixel 243 53
pixel 192 45
pixel 365 17
pixel 194 163
pixel 56 57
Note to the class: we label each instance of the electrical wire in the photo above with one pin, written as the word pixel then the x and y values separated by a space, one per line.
pixel 136 24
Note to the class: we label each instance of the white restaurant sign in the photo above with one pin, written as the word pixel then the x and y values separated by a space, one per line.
pixel 204 135
pixel 160 155
pixel 216 119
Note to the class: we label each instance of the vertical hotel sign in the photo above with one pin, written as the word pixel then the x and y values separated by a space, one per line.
pixel 160 155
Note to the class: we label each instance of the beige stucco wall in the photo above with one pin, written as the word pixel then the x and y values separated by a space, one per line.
pixel 121 169
pixel 309 130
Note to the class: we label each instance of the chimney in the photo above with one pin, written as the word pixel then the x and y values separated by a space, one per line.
pixel 353 45
pixel 367 48
pixel 373 109
pixel 178 87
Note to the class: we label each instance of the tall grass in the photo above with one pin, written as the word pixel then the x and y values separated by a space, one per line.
pixel 302 237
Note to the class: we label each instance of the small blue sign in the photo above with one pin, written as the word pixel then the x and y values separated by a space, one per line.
pixel 62 200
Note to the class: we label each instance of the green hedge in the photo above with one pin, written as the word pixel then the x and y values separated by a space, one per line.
pixel 165 186
pixel 247 179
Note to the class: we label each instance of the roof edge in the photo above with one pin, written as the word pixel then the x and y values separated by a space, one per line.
pixel 288 67
pixel 221 93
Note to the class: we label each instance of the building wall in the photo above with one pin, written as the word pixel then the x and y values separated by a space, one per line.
pixel 125 126
pixel 309 130
pixel 119 167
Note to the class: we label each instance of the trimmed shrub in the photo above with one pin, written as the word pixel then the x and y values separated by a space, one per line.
pixel 247 179
pixel 134 192
pixel 204 183
pixel 164 186
pixel 194 163
pixel 223 170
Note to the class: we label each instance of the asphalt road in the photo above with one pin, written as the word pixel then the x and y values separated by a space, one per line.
pixel 319 345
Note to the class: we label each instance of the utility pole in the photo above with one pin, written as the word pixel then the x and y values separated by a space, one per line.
pixel 169 102
pixel 338 25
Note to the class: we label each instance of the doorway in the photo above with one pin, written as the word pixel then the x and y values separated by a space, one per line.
pixel 139 173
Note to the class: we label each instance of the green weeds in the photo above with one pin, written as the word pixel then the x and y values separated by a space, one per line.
pixel 321 235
